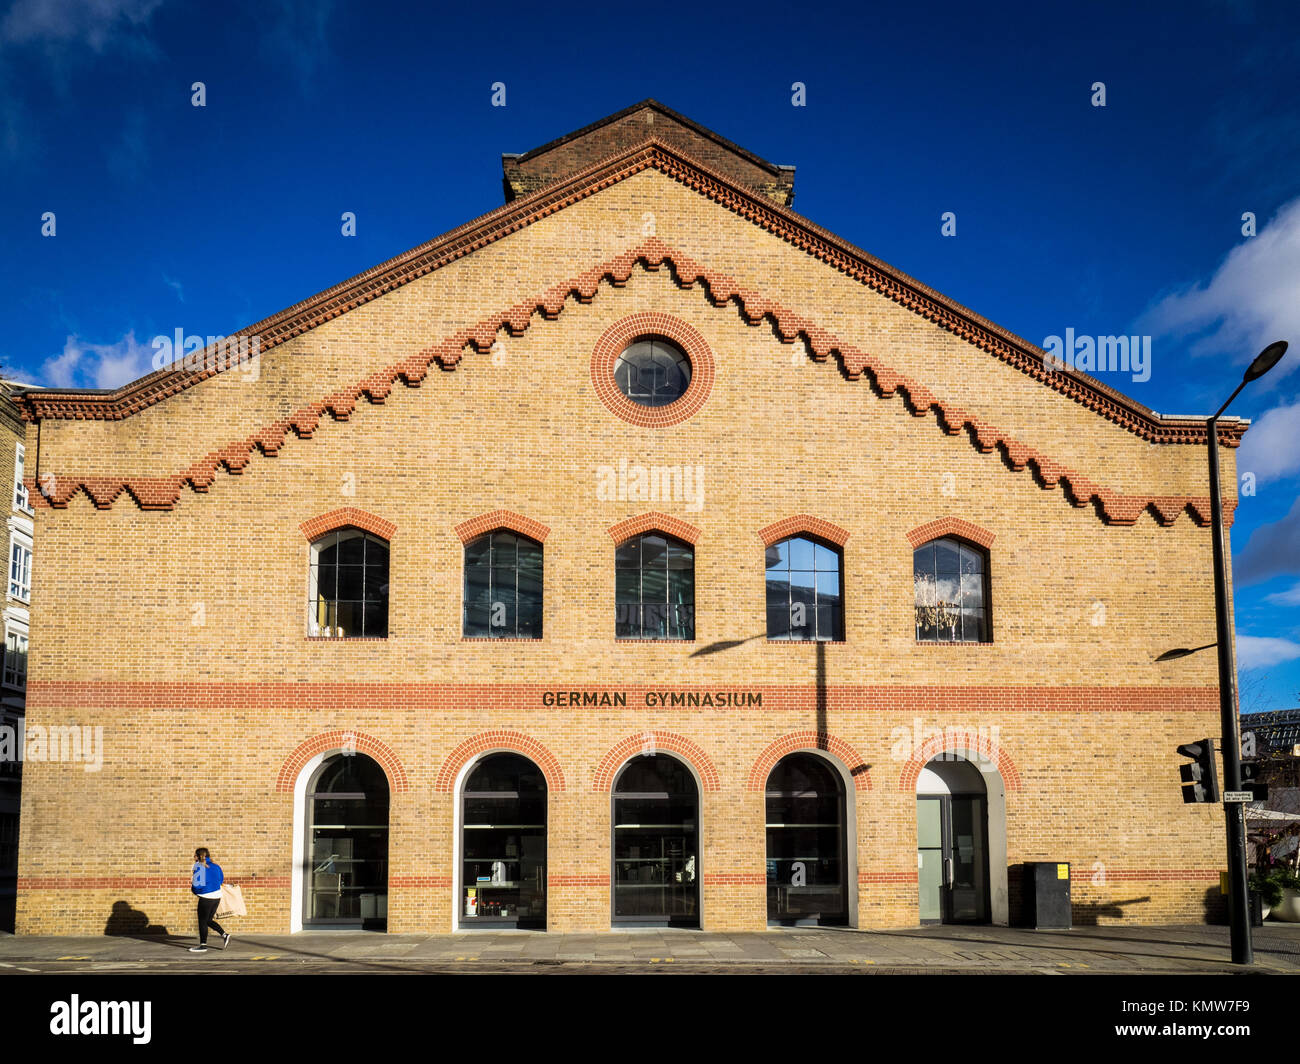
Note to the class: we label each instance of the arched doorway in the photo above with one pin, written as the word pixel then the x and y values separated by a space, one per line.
pixel 806 882
pixel 503 845
pixel 346 881
pixel 952 838
pixel 656 874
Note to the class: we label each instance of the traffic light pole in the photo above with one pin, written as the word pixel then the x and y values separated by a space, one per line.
pixel 1234 812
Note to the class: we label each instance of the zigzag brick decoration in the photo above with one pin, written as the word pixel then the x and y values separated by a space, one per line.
pixel 162 493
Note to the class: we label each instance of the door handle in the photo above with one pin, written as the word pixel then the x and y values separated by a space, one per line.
pixel 947 872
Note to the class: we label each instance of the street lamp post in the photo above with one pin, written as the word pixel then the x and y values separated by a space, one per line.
pixel 1234 814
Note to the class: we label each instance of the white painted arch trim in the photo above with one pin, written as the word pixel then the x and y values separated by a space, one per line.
pixel 995 794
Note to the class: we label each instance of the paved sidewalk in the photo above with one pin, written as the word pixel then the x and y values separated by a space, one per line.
pixel 1083 950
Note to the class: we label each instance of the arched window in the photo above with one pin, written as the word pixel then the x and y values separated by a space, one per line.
pixel 348 590
pixel 503 586
pixel 804 600
pixel 656 844
pixel 805 843
pixel 347 844
pixel 503 878
pixel 952 600
pixel 654 594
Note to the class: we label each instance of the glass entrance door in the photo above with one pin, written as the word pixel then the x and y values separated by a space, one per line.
pixel 656 871
pixel 952 859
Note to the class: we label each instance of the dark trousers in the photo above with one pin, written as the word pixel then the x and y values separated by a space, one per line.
pixel 207 910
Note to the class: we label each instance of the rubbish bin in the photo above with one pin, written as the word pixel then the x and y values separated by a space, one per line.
pixel 1047 894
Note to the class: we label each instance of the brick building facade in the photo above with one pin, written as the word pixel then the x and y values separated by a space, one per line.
pixel 13 667
pixel 643 480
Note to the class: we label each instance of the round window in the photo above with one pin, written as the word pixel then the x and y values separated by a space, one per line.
pixel 653 372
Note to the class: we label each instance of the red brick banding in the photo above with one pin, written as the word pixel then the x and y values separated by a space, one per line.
pixel 948 742
pixel 814 742
pixel 146 882
pixel 803 524
pixel 616 339
pixel 734 879
pixel 489 522
pixel 347 517
pixel 887 877
pixel 666 742
pixel 1080 874
pixel 418 881
pixel 654 522
pixel 439 698
pixel 502 740
pixel 334 742
pixel 950 526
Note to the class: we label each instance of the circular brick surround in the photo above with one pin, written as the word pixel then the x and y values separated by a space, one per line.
pixel 615 340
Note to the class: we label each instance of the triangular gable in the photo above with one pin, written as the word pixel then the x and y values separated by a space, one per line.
pixel 162 493
pixel 837 253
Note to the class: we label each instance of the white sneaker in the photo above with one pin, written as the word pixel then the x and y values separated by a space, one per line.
pixel 198 949
pixel 225 940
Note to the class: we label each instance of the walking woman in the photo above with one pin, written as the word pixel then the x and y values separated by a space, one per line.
pixel 206 884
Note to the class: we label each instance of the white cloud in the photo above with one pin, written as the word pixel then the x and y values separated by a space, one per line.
pixel 86 365
pixel 94 23
pixel 1289 597
pixel 1249 302
pixel 296 33
pixel 1255 652
pixel 1271 447
pixel 1272 550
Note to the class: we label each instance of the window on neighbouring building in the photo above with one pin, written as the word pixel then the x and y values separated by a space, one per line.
pixel 503 586
pixel 348 593
pixel 654 588
pixel 951 578
pixel 804 600
pixel 20 489
pixel 15 674
pixel 20 569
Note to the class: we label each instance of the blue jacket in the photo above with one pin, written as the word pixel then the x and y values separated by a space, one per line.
pixel 206 878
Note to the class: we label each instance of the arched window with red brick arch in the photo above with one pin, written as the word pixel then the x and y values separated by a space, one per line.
pixel 654 587
pixel 951 584
pixel 503 586
pixel 805 599
pixel 348 584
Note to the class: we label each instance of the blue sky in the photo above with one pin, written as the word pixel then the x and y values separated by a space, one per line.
pixel 1122 219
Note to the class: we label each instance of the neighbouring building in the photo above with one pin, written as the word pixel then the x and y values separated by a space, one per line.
pixel 1275 731
pixel 13 671
pixel 638 552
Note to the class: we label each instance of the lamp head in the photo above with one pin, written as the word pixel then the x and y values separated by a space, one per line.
pixel 1266 360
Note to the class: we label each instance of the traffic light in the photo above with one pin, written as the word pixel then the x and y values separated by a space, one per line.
pixel 1200 779
pixel 1250 774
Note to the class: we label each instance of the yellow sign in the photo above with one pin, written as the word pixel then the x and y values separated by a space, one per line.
pixel 1063 871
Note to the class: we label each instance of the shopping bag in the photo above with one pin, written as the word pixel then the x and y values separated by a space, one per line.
pixel 232 902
